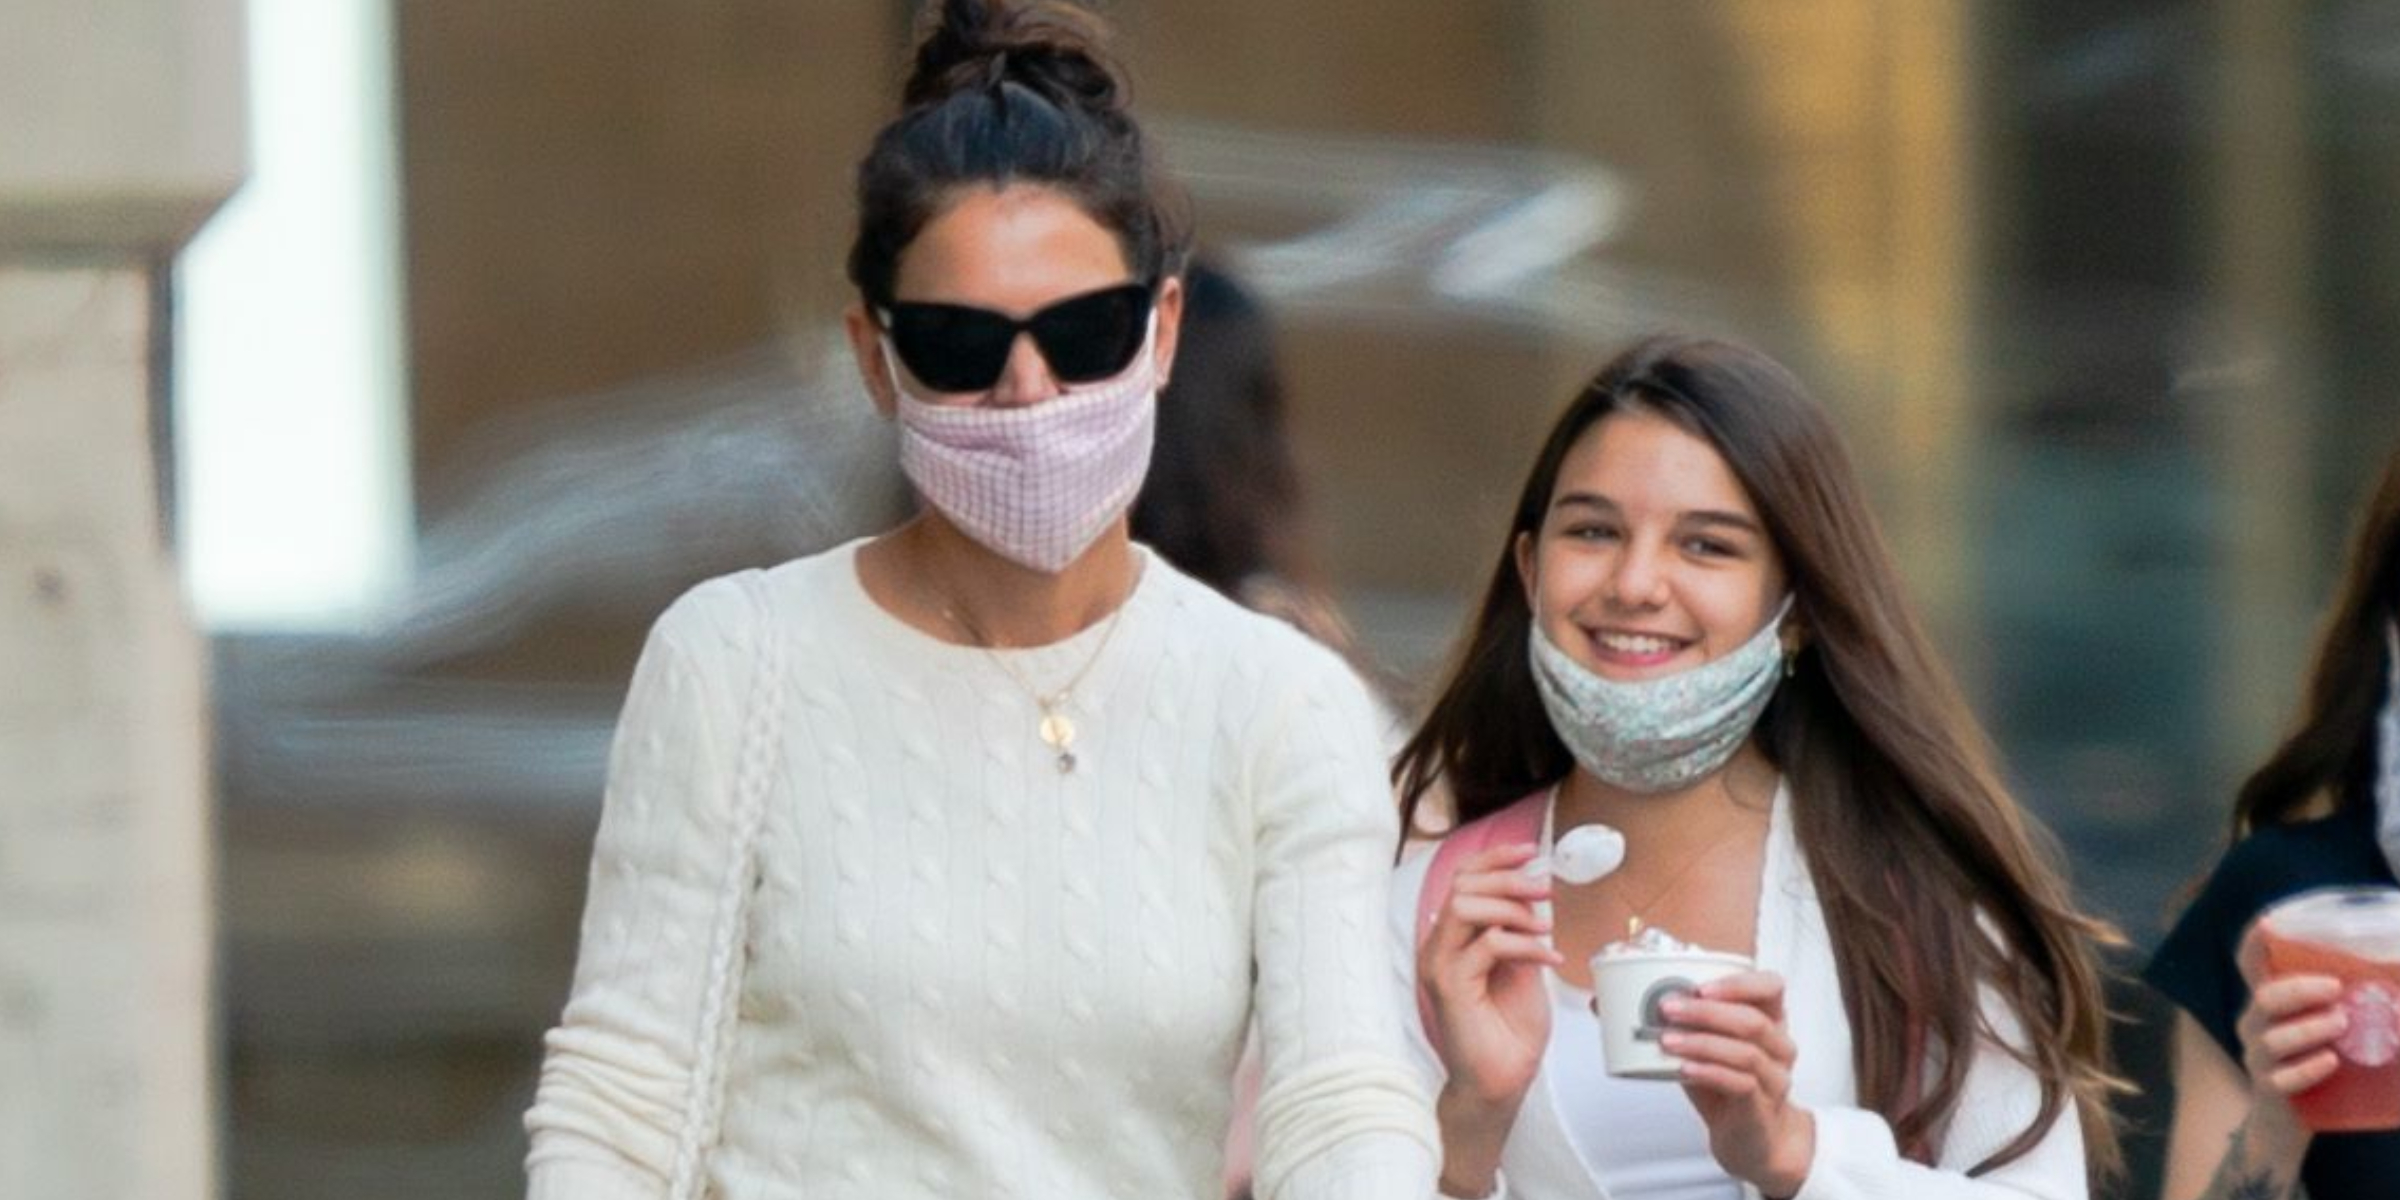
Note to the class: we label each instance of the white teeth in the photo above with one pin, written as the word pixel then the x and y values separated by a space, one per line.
pixel 1633 643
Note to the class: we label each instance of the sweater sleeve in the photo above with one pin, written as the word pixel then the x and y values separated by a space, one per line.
pixel 1857 1158
pixel 1407 888
pixel 1408 885
pixel 1341 1114
pixel 616 1075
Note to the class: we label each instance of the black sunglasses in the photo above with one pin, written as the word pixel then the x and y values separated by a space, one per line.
pixel 958 348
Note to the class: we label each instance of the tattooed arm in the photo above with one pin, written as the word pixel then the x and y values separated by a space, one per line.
pixel 2251 1170
pixel 2235 1136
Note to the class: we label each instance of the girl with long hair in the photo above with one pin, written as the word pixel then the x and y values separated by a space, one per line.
pixel 1694 635
pixel 2322 811
pixel 954 861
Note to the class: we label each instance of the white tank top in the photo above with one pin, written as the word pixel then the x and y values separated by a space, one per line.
pixel 1640 1139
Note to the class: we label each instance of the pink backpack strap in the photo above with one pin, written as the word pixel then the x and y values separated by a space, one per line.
pixel 1518 823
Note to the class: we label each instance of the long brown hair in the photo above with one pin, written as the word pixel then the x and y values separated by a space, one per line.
pixel 1933 881
pixel 2330 755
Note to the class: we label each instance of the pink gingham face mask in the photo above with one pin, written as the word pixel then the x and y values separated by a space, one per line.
pixel 1035 484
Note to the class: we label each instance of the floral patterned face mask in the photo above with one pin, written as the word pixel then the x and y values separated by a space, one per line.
pixel 1658 735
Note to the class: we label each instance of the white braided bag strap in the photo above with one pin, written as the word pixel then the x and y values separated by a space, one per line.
pixel 754 776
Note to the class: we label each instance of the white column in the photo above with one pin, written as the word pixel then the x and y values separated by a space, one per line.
pixel 104 896
pixel 121 133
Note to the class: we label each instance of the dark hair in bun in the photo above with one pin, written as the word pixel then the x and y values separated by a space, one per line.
pixel 1005 92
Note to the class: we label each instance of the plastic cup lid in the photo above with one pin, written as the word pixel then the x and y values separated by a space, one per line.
pixel 2361 920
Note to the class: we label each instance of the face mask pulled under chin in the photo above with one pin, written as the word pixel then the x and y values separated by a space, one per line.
pixel 1663 734
pixel 1035 484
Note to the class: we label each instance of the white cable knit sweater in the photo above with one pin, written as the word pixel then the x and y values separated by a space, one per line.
pixel 971 975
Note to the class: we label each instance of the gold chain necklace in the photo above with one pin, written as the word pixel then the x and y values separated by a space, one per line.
pixel 1056 728
pixel 1637 916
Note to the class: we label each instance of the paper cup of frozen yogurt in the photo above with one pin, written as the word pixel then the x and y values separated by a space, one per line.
pixel 1630 980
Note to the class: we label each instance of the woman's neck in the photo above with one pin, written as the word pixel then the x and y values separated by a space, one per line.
pixel 934 577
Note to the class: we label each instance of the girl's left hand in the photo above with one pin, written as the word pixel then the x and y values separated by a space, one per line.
pixel 1737 1068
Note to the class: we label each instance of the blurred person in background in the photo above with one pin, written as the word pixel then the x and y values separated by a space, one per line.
pixel 1223 499
pixel 2323 811
pixel 1222 503
pixel 1694 635
pixel 953 861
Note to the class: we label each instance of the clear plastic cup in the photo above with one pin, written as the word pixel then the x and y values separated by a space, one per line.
pixel 2352 934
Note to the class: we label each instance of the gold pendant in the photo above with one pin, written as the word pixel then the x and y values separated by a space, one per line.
pixel 1058 730
pixel 1058 733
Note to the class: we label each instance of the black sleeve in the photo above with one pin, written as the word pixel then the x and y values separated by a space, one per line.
pixel 2194 966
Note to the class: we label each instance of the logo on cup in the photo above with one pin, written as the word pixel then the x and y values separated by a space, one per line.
pixel 2373 1037
pixel 1654 1021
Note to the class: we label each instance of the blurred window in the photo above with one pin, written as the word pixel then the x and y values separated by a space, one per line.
pixel 289 381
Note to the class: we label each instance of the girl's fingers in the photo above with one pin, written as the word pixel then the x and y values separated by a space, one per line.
pixel 1462 917
pixel 1731 1054
pixel 2287 995
pixel 1762 990
pixel 1466 972
pixel 2300 1074
pixel 1742 1022
pixel 1467 914
pixel 2299 1035
pixel 1501 945
pixel 1490 911
pixel 1718 1080
pixel 1508 881
pixel 1505 857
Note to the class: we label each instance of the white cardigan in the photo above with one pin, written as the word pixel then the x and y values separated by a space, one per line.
pixel 970 973
pixel 1856 1156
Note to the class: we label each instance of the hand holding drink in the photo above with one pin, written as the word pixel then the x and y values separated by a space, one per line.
pixel 2326 1016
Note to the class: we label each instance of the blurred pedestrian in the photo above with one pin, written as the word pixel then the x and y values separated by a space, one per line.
pixel 1224 498
pixel 2322 811
pixel 952 861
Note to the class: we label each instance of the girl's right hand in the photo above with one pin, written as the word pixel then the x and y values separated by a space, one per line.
pixel 2288 1030
pixel 1482 964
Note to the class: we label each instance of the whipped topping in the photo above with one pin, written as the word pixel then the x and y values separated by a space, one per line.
pixel 1652 940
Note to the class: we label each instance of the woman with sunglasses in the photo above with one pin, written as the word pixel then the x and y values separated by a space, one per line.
pixel 1694 637
pixel 2322 811
pixel 1040 822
